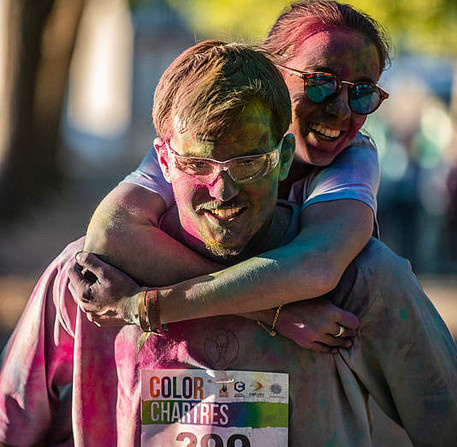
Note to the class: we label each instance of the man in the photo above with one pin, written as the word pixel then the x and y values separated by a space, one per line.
pixel 226 206
pixel 63 378
pixel 397 320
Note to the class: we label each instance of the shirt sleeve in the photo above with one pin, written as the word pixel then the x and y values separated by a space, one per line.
pixel 354 174
pixel 36 367
pixel 149 175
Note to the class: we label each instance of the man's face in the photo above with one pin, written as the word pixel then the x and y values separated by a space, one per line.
pixel 224 214
pixel 322 131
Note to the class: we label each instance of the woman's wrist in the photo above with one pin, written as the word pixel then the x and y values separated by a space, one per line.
pixel 272 328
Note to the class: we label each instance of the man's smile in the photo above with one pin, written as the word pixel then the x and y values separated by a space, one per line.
pixel 225 214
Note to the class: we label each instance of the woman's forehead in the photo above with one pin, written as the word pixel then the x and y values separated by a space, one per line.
pixel 345 53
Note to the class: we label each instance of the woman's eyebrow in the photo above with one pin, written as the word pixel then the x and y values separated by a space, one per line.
pixel 326 69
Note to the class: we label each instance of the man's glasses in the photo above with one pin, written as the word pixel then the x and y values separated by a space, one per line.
pixel 240 169
pixel 364 97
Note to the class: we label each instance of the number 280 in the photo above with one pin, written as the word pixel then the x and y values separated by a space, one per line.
pixel 217 440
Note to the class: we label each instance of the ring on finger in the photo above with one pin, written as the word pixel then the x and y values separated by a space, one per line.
pixel 340 332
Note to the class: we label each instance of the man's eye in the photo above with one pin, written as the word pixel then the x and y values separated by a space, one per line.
pixel 194 165
pixel 197 165
pixel 251 163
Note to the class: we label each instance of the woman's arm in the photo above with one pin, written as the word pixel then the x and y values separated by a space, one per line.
pixel 124 232
pixel 332 234
pixel 334 229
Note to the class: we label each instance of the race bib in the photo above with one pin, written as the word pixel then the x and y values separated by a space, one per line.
pixel 204 408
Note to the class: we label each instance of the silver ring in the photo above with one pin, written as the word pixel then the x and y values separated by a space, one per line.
pixel 340 332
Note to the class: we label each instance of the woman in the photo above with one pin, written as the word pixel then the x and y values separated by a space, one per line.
pixel 338 201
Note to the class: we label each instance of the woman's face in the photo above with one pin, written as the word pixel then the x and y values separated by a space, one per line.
pixel 322 131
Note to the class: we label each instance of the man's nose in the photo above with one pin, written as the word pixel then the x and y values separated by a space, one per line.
pixel 339 105
pixel 223 188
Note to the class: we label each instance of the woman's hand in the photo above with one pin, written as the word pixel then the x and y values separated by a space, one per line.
pixel 313 324
pixel 108 296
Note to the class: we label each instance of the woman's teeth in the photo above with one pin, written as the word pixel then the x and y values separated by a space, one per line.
pixel 325 131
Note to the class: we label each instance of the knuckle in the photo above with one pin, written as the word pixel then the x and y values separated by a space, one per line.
pixel 332 341
pixel 86 295
pixel 82 257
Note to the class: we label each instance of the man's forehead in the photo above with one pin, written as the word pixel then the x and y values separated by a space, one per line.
pixel 250 131
pixel 247 139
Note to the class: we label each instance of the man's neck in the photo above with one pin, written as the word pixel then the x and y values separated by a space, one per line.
pixel 298 170
pixel 267 238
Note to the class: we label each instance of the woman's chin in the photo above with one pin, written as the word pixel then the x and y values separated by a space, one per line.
pixel 317 152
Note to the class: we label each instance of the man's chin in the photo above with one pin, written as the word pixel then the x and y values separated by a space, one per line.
pixel 224 251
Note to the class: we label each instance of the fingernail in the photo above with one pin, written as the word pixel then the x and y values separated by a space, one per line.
pixel 78 255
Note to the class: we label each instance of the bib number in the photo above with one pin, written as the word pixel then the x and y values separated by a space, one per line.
pixel 213 440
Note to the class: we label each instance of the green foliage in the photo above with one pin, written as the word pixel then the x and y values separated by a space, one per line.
pixel 417 25
pixel 422 26
pixel 247 20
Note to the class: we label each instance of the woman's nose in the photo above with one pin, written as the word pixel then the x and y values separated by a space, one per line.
pixel 339 105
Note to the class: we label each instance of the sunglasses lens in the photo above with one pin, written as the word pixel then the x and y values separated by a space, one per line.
pixel 365 98
pixel 319 87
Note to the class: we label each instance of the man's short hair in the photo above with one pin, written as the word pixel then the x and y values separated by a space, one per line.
pixel 205 89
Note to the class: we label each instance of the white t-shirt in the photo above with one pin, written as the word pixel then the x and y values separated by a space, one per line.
pixel 354 174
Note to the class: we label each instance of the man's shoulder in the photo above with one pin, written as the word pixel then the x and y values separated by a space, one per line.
pixel 291 222
pixel 288 205
pixel 378 263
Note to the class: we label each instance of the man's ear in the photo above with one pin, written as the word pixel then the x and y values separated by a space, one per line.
pixel 162 156
pixel 287 155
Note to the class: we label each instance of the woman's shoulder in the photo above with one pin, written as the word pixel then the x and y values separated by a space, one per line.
pixel 362 140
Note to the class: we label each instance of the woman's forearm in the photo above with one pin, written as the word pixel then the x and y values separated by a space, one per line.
pixel 332 234
pixel 124 232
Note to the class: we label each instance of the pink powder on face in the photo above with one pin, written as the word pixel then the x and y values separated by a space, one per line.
pixel 313 26
pixel 311 30
pixel 349 56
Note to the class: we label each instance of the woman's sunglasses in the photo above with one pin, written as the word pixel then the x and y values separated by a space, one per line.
pixel 364 97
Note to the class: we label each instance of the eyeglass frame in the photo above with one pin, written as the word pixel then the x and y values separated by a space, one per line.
pixel 227 163
pixel 305 75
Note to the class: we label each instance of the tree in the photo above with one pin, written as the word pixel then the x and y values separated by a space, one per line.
pixel 41 37
pixel 415 25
